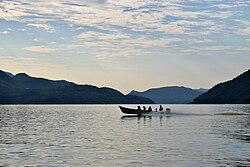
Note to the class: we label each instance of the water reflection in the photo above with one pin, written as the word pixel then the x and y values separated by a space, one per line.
pixel 127 117
pixel 145 119
pixel 100 136
pixel 234 127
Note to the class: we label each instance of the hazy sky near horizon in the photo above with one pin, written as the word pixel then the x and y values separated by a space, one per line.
pixel 127 44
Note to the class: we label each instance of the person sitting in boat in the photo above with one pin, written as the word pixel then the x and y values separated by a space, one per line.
pixel 149 108
pixel 138 107
pixel 144 108
pixel 168 110
pixel 161 108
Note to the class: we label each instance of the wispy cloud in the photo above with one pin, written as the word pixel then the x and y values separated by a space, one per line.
pixel 215 48
pixel 114 26
pixel 4 32
pixel 245 31
pixel 43 26
pixel 40 49
pixel 120 45
pixel 96 1
pixel 8 59
pixel 245 27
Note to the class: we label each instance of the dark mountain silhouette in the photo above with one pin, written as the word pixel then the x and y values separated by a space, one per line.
pixel 6 81
pixel 40 83
pixel 170 95
pixel 24 89
pixel 10 74
pixel 236 91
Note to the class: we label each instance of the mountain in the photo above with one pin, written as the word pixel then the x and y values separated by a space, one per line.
pixel 9 74
pixel 7 81
pixel 40 83
pixel 25 89
pixel 235 91
pixel 170 95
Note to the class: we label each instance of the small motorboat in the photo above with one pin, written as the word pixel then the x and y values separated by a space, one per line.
pixel 140 112
pixel 132 111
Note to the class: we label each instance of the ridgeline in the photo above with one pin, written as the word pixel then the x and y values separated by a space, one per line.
pixel 24 89
pixel 236 91
pixel 170 95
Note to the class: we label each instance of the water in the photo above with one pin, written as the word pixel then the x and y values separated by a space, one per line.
pixel 99 135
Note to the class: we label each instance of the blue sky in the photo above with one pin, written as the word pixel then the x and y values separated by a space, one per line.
pixel 129 44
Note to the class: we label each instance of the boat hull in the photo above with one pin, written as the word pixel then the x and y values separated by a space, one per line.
pixel 132 111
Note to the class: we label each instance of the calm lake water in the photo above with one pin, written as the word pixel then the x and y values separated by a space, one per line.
pixel 98 135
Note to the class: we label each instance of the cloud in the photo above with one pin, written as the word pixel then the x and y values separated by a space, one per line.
pixel 133 14
pixel 198 41
pixel 10 10
pixel 43 26
pixel 6 59
pixel 104 27
pixel 245 31
pixel 246 25
pixel 110 46
pixel 21 29
pixel 97 1
pixel 208 50
pixel 40 49
pixel 223 6
pixel 222 14
pixel 215 48
pixel 37 40
pixel 4 32
pixel 102 36
pixel 230 5
pixel 243 49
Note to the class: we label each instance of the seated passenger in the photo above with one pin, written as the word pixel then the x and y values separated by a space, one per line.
pixel 144 108
pixel 161 108
pixel 168 110
pixel 138 107
pixel 149 108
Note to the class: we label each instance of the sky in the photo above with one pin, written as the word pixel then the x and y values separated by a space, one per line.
pixel 127 44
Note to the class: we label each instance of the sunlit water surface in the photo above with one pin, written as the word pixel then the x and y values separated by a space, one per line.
pixel 98 135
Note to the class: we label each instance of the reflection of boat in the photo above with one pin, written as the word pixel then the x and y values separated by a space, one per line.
pixel 132 111
pixel 127 117
pixel 144 112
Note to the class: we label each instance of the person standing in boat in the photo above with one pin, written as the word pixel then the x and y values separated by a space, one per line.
pixel 161 108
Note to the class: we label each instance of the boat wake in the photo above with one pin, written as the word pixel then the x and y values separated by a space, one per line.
pixel 232 113
pixel 190 114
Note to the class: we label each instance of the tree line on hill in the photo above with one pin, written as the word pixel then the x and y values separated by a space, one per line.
pixel 24 89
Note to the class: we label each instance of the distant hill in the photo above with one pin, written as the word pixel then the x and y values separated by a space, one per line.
pixel 236 91
pixel 8 73
pixel 7 81
pixel 40 83
pixel 170 95
pixel 24 89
